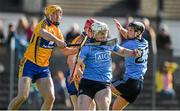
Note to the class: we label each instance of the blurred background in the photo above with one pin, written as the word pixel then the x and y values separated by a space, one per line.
pixel 162 21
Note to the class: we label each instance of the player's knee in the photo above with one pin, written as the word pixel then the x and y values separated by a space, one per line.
pixel 50 99
pixel 23 97
pixel 93 104
pixel 107 101
pixel 104 104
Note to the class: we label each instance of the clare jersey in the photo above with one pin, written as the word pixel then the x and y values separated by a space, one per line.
pixel 136 66
pixel 39 49
pixel 78 40
pixel 98 62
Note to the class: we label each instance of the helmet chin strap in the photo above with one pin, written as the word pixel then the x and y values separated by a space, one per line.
pixel 49 22
pixel 56 23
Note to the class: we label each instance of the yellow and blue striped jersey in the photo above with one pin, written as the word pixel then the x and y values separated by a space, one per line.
pixel 39 49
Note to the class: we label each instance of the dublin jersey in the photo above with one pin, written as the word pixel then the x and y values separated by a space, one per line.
pixel 98 62
pixel 136 66
pixel 39 49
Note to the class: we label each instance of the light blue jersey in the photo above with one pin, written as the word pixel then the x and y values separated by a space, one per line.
pixel 136 66
pixel 98 62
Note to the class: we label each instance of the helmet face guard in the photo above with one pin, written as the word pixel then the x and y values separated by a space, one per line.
pixel 101 35
pixel 100 30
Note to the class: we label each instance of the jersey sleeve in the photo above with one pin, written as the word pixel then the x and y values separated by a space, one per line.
pixel 117 47
pixel 130 45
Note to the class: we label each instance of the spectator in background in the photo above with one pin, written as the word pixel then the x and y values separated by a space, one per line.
pixel 129 19
pixel 33 23
pixel 10 34
pixel 1 68
pixel 149 33
pixel 164 79
pixel 73 33
pixel 35 98
pixel 61 93
pixel 21 36
pixel 164 44
pixel 2 38
pixel 164 38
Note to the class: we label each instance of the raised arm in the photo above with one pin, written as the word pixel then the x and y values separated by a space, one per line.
pixel 128 53
pixel 122 30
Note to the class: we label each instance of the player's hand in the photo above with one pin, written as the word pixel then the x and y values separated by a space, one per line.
pixel 79 74
pixel 137 52
pixel 118 24
pixel 61 43
pixel 70 80
pixel 75 50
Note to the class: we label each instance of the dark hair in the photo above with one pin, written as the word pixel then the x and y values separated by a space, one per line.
pixel 138 26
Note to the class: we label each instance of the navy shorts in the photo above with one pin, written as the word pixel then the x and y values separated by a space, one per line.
pixel 90 87
pixel 29 69
pixel 70 87
pixel 129 89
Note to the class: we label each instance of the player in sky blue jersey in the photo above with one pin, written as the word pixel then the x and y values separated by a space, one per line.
pixel 73 87
pixel 97 75
pixel 129 88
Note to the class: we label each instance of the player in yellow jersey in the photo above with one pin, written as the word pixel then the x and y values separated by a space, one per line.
pixel 34 67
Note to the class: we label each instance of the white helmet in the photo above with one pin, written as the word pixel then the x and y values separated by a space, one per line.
pixel 100 28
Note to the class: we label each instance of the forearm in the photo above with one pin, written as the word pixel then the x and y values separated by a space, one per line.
pixel 69 51
pixel 48 36
pixel 123 32
pixel 121 29
pixel 126 52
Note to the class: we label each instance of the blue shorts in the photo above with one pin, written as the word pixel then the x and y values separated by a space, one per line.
pixel 29 69
pixel 70 87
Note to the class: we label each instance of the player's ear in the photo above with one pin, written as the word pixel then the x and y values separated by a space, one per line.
pixel 137 33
